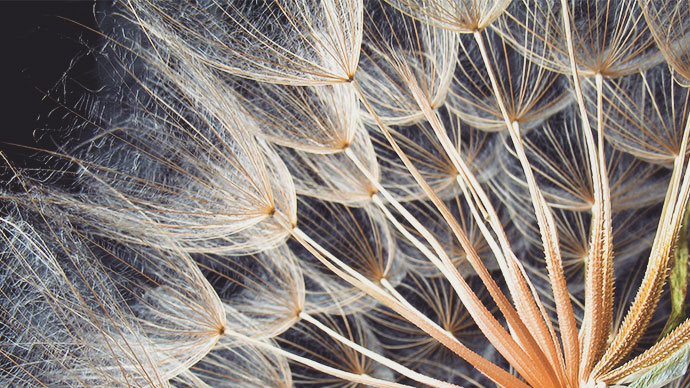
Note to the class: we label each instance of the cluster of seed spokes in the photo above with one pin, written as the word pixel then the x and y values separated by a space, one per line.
pixel 299 184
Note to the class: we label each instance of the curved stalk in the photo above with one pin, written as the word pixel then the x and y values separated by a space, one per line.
pixel 549 237
pixel 377 357
pixel 480 314
pixel 501 377
pixel 354 378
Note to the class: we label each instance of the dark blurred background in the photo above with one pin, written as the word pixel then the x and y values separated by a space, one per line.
pixel 42 41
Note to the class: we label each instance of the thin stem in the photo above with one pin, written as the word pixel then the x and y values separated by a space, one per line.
pixel 355 378
pixel 645 302
pixel 21 367
pixel 410 238
pixel 484 319
pixel 596 286
pixel 548 233
pixel 671 343
pixel 490 370
pixel 520 290
pixel 487 323
pixel 599 277
pixel 377 357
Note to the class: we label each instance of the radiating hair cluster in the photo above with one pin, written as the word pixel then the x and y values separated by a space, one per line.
pixel 353 193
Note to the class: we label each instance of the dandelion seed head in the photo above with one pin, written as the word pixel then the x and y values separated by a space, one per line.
pixel 345 193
